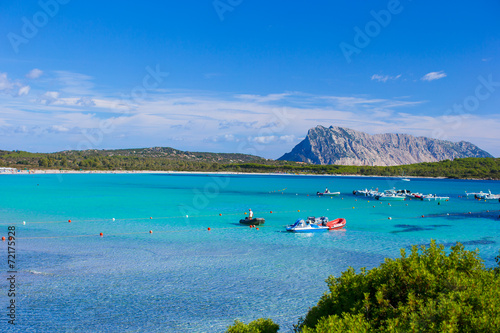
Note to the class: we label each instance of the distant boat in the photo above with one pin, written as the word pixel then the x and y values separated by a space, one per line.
pixel 431 197
pixel 254 221
pixel 405 179
pixel 327 193
pixel 391 195
pixel 487 196
pixel 313 224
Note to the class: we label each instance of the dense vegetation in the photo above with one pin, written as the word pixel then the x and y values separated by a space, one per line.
pixel 427 291
pixel 168 159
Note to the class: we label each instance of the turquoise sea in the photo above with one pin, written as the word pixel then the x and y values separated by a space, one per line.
pixel 183 277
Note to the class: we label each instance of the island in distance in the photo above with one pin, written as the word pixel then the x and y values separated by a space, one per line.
pixel 345 146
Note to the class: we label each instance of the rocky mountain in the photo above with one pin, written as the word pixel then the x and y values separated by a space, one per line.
pixel 344 146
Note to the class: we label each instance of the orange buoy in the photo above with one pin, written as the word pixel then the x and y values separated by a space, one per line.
pixel 3 239
pixel 101 234
pixel 257 228
pixel 150 231
pixel 245 213
pixel 373 206
pixel 209 229
pixel 298 210
pixel 423 216
pixel 352 207
pixel 250 226
pixel 390 218
pixel 271 212
pixel 150 217
pixel 69 221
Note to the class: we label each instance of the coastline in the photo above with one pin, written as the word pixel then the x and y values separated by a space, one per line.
pixel 62 172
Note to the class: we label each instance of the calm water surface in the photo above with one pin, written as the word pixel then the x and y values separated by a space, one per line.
pixel 184 278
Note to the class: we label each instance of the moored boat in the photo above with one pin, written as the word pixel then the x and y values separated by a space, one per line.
pixel 431 197
pixel 327 193
pixel 313 224
pixel 487 196
pixel 391 195
pixel 254 221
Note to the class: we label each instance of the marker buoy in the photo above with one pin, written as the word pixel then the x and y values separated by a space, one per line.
pixel 373 206
pixel 368 200
pixel 209 229
pixel 101 234
pixel 390 218
pixel 352 207
pixel 257 228
pixel 187 215
pixel 24 222
pixel 150 217
pixel 3 239
pixel 113 219
pixel 298 210
pixel 245 213
pixel 271 212
pixel 470 213
pixel 250 226
pixel 423 215
pixel 150 231
pixel 69 221
pixel 388 204
pixel 220 214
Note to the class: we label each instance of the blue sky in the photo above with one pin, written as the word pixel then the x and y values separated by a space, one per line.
pixel 245 76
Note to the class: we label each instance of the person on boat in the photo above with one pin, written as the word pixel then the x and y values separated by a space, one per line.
pixel 250 214
pixel 326 190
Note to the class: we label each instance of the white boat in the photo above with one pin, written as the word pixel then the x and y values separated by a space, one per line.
pixel 327 193
pixel 313 224
pixel 405 179
pixel 474 194
pixel 487 196
pixel 365 193
pixel 391 195
pixel 431 197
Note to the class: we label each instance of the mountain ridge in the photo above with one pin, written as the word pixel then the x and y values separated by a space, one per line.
pixel 345 146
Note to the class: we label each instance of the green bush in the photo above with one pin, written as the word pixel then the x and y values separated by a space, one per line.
pixel 257 326
pixel 428 291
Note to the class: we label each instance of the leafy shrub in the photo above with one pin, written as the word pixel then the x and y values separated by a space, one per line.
pixel 257 326
pixel 427 291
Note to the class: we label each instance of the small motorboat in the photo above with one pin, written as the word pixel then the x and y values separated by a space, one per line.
pixel 487 196
pixel 431 197
pixel 391 195
pixel 327 193
pixel 366 193
pixel 313 224
pixel 254 221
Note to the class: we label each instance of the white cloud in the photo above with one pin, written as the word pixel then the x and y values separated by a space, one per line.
pixel 263 139
pixel 384 78
pixel 34 74
pixel 433 76
pixel 49 97
pixel 23 90
pixel 5 83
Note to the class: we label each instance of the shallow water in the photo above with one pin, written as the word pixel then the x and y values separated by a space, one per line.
pixel 184 278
